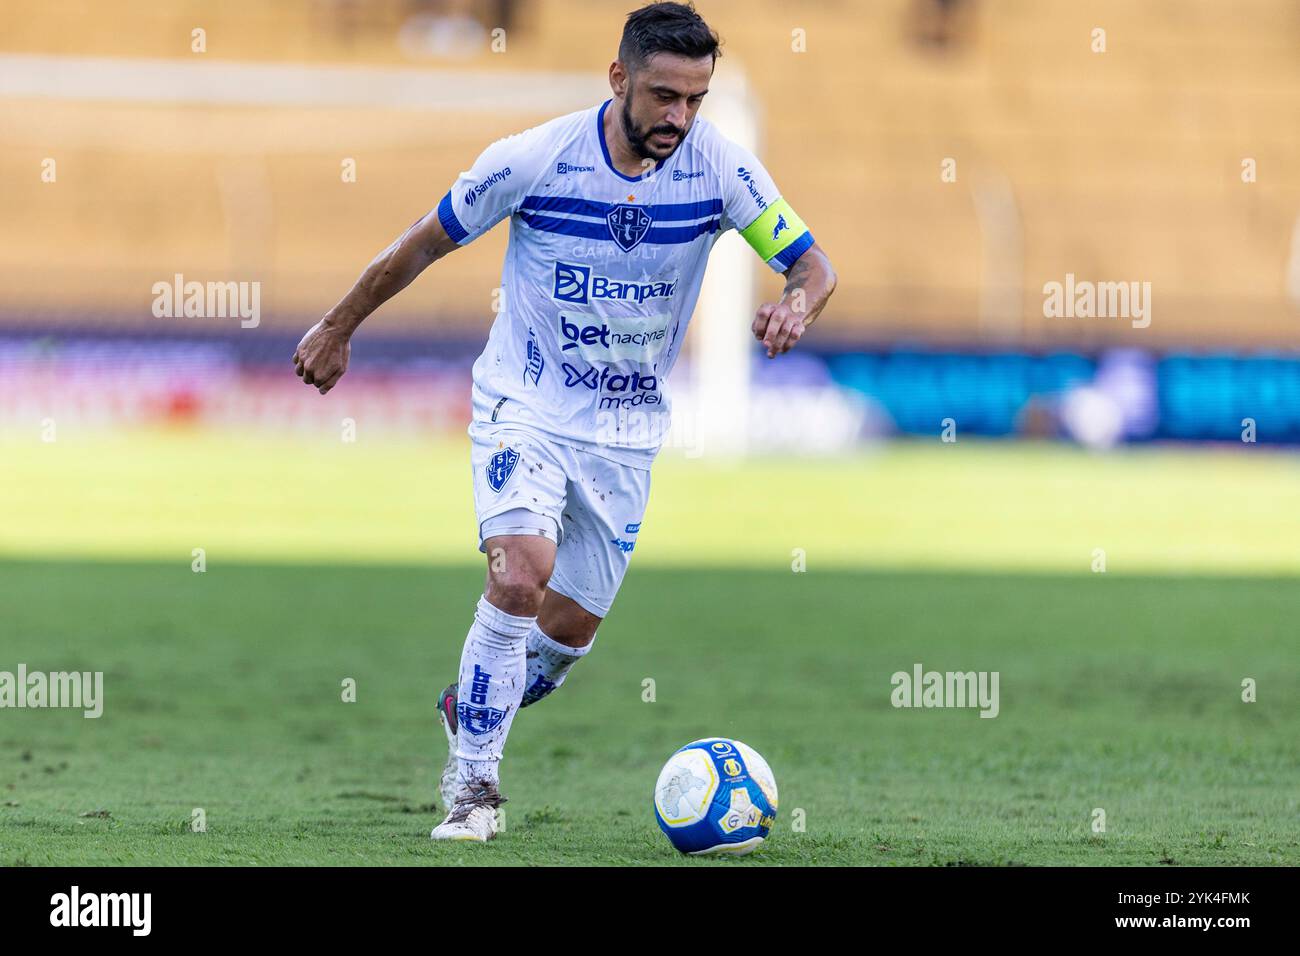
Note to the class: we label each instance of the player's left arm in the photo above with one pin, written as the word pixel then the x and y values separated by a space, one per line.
pixel 808 287
pixel 780 237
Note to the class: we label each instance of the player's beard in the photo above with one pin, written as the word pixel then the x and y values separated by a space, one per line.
pixel 637 139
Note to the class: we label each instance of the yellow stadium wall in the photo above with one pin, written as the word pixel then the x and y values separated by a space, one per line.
pixel 1123 165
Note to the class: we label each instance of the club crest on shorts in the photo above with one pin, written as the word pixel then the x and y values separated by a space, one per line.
pixel 479 720
pixel 500 467
pixel 628 225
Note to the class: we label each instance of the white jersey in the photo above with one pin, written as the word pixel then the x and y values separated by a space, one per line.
pixel 602 273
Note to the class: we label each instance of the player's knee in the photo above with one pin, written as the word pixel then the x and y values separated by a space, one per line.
pixel 566 622
pixel 519 594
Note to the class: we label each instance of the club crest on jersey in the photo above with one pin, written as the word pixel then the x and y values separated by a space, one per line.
pixel 500 467
pixel 628 225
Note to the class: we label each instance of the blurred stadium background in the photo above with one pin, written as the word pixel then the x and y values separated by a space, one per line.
pixel 953 157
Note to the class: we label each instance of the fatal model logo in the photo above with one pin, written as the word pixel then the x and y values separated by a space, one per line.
pixel 577 284
pixel 500 467
pixel 680 175
pixel 748 179
pixel 622 389
pixel 564 169
pixel 473 193
pixel 628 225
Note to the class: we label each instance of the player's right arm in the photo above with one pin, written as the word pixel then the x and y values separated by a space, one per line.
pixel 322 356
pixel 480 198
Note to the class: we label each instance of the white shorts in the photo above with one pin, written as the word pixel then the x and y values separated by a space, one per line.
pixel 589 506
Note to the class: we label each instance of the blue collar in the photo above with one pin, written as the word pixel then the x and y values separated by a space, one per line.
pixel 600 133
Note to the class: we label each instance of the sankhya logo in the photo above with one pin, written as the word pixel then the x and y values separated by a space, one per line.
pixel 574 283
pixel 748 178
pixel 103 909
pixel 472 194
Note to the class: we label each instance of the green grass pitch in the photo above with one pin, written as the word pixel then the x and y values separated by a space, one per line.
pixel 325 561
pixel 223 692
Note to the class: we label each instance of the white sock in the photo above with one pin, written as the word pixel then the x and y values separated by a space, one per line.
pixel 492 672
pixel 548 664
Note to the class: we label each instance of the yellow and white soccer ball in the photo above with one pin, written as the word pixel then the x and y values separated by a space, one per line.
pixel 716 795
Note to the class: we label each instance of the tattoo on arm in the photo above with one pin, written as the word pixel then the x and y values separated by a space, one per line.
pixel 809 284
pixel 797 275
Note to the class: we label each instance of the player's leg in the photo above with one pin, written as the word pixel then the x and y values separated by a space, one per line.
pixel 492 664
pixel 559 638
pixel 491 682
pixel 605 502
pixel 519 494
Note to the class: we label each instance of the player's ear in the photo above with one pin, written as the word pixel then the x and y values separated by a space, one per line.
pixel 618 78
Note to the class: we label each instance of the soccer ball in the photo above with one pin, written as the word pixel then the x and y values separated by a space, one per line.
pixel 715 796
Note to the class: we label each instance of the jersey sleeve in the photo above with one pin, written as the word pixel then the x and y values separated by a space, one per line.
pixel 491 189
pixel 756 209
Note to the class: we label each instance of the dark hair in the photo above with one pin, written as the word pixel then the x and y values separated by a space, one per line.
pixel 666 28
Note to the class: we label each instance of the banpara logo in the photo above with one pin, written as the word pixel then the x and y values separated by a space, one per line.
pixel 579 285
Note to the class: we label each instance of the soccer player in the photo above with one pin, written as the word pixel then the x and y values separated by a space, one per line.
pixel 613 211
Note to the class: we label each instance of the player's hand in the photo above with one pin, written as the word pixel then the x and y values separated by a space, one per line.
pixel 778 327
pixel 321 357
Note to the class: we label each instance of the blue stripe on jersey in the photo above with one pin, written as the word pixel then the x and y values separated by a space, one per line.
pixel 672 235
pixel 574 205
pixel 663 212
pixel 450 224
pixel 586 229
pixel 791 253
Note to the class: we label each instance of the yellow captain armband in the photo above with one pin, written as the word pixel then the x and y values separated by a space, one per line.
pixel 778 233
